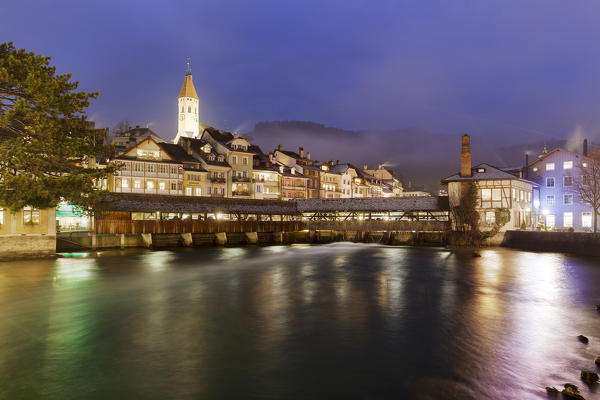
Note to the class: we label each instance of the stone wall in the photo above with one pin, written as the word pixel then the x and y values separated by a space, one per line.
pixel 580 243
pixel 17 246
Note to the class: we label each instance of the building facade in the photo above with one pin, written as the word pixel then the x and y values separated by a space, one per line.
pixel 558 173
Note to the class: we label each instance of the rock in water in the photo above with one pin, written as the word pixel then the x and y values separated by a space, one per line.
pixel 583 339
pixel 597 360
pixel 572 392
pixel 589 377
pixel 551 390
pixel 476 254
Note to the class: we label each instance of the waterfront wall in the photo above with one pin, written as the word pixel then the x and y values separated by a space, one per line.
pixel 17 246
pixel 580 243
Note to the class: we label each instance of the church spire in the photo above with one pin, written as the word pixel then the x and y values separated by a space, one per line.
pixel 188 89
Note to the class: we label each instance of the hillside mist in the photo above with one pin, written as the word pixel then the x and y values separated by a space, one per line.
pixel 419 156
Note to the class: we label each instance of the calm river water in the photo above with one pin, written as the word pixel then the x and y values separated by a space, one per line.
pixel 302 322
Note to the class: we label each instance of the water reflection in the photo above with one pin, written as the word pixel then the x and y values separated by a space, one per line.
pixel 336 321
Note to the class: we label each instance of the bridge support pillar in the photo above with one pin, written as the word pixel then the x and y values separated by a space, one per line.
pixel 187 239
pixel 251 237
pixel 122 240
pixel 278 237
pixel 147 238
pixel 221 238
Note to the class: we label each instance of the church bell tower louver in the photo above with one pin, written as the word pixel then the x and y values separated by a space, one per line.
pixel 187 113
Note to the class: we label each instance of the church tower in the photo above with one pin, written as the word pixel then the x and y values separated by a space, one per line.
pixel 187 115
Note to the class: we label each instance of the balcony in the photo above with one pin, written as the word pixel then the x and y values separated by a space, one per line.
pixel 217 195
pixel 240 193
pixel 240 179
pixel 215 179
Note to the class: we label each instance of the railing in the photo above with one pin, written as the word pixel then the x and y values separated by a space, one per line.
pixel 217 180
pixel 240 193
pixel 240 179
pixel 194 226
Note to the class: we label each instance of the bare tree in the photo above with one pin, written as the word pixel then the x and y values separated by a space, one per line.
pixel 588 188
pixel 122 127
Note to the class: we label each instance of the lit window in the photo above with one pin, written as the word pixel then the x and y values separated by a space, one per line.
pixel 550 221
pixel 490 217
pixel 31 216
pixel 137 184
pixel 198 191
pixel 568 219
pixel 567 164
pixel 486 194
pixel 125 183
pixel 586 219
pixel 161 185
pixel 550 167
pixel 567 181
pixel 549 200
pixel 149 185
pixel 535 169
pixel 496 195
pixel 584 165
pixel 568 199
pixel 1 216
pixel 549 182
pixel 480 169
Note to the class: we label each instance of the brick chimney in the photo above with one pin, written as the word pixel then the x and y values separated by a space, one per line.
pixel 279 148
pixel 465 156
pixel 301 152
pixel 585 147
pixel 308 155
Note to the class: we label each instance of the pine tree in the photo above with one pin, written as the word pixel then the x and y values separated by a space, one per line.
pixel 46 143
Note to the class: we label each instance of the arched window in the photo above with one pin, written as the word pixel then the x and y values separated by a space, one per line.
pixel 189 109
pixel 181 108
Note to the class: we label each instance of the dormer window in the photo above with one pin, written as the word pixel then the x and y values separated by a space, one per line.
pixel 211 157
pixel 220 158
pixel 480 169
pixel 206 148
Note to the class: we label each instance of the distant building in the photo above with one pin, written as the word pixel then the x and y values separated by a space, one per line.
pixel 558 173
pixel 386 177
pixel 495 189
pixel 123 141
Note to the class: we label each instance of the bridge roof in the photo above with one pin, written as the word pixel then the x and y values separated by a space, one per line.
pixel 417 203
pixel 195 204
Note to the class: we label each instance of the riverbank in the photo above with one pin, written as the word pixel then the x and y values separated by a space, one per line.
pixel 579 243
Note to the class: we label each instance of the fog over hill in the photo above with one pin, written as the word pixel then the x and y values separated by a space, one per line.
pixel 420 156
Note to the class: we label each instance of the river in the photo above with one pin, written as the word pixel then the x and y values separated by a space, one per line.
pixel 350 321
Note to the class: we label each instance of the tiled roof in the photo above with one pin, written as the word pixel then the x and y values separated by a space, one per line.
pixel 425 203
pixel 196 146
pixel 490 172
pixel 165 203
pixel 177 152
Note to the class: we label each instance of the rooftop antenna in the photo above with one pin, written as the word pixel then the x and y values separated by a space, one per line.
pixel 545 151
pixel 188 68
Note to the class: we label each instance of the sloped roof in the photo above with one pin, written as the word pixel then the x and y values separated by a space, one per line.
pixel 490 172
pixel 192 204
pixel 177 153
pixel 196 146
pixel 424 203
pixel 188 89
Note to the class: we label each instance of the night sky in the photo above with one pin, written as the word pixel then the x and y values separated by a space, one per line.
pixel 505 71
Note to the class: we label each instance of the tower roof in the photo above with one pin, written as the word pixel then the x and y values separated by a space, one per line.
pixel 188 89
